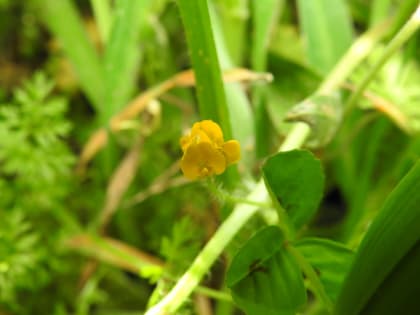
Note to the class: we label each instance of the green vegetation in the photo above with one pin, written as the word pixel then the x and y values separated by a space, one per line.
pixel 321 213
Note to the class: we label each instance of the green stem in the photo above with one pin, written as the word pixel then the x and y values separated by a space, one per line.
pixel 229 228
pixel 103 16
pixel 202 263
pixel 310 273
pixel 409 28
pixel 243 212
pixel 356 53
pixel 211 185
pixel 217 295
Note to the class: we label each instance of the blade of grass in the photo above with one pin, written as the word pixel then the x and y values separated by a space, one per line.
pixel 390 237
pixel 210 92
pixel 239 107
pixel 243 212
pixel 233 17
pixel 264 15
pixel 327 30
pixel 379 11
pixel 122 54
pixel 63 21
pixel 103 16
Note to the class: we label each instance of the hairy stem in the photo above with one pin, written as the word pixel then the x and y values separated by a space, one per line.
pixel 243 212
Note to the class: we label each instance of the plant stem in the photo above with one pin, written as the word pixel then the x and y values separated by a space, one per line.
pixel 103 16
pixel 229 228
pixel 243 212
pixel 409 28
pixel 312 276
pixel 219 193
pixel 202 263
pixel 356 53
pixel 213 294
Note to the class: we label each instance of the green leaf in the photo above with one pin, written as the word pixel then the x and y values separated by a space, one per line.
pixel 264 14
pixel 122 54
pixel 327 31
pixel 390 237
pixel 330 259
pixel 296 181
pixel 264 278
pixel 240 112
pixel 63 21
pixel 379 11
pixel 398 294
pixel 209 86
pixel 323 113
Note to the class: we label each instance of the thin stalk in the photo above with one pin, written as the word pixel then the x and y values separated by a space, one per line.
pixel 243 212
pixel 356 53
pixel 310 273
pixel 217 295
pixel 229 228
pixel 103 16
pixel 220 194
pixel 202 263
pixel 409 28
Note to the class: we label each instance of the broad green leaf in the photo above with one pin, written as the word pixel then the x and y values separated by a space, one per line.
pixel 399 293
pixel 322 113
pixel 264 278
pixel 390 237
pixel 64 22
pixel 209 86
pixel 330 259
pixel 327 31
pixel 296 180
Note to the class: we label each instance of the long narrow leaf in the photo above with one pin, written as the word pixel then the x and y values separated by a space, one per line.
pixel 327 31
pixel 63 21
pixel 392 234
pixel 239 107
pixel 211 95
pixel 264 14
pixel 122 54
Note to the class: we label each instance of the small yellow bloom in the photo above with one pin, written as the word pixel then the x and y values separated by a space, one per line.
pixel 205 151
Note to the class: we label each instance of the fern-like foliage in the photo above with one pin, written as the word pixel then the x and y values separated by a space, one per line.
pixel 33 156
pixel 35 168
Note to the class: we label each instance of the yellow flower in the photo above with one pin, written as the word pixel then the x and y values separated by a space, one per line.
pixel 205 151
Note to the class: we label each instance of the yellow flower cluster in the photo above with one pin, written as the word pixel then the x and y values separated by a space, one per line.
pixel 205 151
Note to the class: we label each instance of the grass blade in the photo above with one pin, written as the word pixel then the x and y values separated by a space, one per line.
pixel 210 92
pixel 239 108
pixel 327 30
pixel 58 15
pixel 103 17
pixel 390 237
pixel 379 11
pixel 122 54
pixel 264 15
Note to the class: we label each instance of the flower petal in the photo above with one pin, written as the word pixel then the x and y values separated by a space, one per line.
pixel 211 129
pixel 201 160
pixel 184 142
pixel 232 151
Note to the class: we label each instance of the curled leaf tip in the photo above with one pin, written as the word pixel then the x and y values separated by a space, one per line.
pixel 205 153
